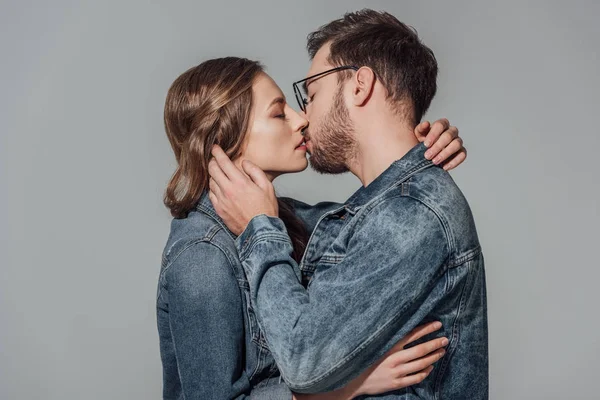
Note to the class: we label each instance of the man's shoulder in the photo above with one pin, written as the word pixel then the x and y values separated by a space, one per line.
pixel 430 199
pixel 435 188
pixel 396 209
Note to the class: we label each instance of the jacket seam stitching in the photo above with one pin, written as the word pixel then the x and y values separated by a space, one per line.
pixel 455 334
pixel 275 237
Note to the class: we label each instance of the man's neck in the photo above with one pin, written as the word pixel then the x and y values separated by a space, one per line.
pixel 380 145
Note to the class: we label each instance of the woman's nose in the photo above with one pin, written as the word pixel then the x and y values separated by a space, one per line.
pixel 302 121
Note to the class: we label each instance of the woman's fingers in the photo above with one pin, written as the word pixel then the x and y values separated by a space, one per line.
pixel 456 160
pixel 420 331
pixel 414 379
pixel 421 363
pixel 452 148
pixel 417 351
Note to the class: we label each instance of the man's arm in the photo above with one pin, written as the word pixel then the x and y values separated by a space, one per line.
pixel 356 309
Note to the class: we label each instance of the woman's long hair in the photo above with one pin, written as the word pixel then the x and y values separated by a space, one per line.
pixel 206 105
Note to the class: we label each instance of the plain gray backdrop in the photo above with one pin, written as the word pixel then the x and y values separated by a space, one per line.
pixel 85 161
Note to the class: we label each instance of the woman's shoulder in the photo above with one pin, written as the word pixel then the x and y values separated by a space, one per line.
pixel 198 239
pixel 196 228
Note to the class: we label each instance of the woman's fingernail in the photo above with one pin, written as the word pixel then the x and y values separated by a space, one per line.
pixel 428 155
pixel 436 160
pixel 437 325
pixel 444 341
pixel 427 143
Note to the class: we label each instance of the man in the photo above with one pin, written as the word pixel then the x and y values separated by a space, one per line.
pixel 401 251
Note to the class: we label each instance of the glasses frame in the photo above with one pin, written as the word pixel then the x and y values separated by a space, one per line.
pixel 302 101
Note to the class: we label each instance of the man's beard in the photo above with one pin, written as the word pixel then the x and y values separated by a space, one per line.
pixel 333 145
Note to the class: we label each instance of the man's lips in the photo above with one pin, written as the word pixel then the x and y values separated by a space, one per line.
pixel 308 143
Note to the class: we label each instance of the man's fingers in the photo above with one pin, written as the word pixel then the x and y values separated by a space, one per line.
pixel 421 131
pixel 226 165
pixel 217 174
pixel 420 331
pixel 257 175
pixel 214 187
pixel 213 199
pixel 441 142
pixel 452 148
pixel 417 351
pixel 421 363
pixel 456 160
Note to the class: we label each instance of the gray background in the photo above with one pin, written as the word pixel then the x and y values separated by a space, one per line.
pixel 85 161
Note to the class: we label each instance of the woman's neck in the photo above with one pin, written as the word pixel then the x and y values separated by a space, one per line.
pixel 270 174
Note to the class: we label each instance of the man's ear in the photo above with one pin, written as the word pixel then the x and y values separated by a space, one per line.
pixel 363 85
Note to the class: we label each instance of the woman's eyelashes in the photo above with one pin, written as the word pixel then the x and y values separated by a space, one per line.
pixel 281 114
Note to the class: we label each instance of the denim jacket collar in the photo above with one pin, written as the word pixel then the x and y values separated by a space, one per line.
pixel 398 172
pixel 205 205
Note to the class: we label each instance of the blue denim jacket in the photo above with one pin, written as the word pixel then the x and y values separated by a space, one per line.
pixel 210 343
pixel 400 252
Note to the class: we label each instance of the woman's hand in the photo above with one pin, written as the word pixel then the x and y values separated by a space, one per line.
pixel 397 369
pixel 445 147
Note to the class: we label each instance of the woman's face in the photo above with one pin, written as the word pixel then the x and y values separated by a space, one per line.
pixel 274 141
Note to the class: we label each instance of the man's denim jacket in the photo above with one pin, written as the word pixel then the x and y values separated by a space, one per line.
pixel 400 252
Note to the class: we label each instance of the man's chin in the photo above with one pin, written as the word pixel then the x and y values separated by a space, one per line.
pixel 326 168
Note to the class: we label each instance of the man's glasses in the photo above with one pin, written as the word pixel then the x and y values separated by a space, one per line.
pixel 300 87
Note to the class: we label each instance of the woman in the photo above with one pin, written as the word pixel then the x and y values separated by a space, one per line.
pixel 210 342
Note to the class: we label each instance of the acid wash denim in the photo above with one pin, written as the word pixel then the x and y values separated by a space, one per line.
pixel 400 252
pixel 210 343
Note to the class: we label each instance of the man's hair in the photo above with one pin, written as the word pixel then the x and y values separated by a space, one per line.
pixel 405 66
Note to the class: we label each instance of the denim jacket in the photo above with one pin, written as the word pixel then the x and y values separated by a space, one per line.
pixel 210 343
pixel 400 252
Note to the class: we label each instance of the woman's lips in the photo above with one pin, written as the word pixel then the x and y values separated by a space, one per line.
pixel 301 145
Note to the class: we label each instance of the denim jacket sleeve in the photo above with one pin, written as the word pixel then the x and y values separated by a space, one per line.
pixel 354 311
pixel 205 312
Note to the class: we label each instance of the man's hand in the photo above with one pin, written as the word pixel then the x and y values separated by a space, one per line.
pixel 238 197
pixel 445 146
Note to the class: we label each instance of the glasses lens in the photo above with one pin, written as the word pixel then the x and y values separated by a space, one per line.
pixel 300 97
